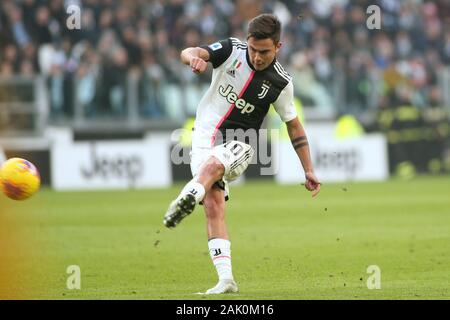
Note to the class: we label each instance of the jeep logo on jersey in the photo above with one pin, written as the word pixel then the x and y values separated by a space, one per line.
pixel 232 98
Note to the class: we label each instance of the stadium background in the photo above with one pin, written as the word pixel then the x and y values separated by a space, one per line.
pixel 115 89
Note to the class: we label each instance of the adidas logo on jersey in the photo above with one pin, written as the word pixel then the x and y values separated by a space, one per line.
pixel 234 67
pixel 232 72
pixel 232 98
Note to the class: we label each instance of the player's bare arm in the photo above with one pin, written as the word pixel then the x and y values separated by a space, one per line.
pixel 196 58
pixel 300 144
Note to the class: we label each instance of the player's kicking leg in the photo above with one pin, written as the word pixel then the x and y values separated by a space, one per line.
pixel 228 160
pixel 210 172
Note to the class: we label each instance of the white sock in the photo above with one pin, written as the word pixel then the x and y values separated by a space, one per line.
pixel 220 252
pixel 194 188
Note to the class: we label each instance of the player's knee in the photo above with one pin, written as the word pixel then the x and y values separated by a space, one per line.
pixel 213 167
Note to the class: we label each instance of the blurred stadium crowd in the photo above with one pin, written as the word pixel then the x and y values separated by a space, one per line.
pixel 336 61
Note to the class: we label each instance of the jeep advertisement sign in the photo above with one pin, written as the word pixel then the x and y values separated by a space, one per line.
pixel 110 164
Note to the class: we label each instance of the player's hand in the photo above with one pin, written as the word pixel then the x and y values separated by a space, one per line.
pixel 312 183
pixel 198 65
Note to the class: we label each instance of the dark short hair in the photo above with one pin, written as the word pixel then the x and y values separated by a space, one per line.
pixel 265 26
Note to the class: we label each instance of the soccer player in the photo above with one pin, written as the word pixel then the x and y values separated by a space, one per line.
pixel 246 80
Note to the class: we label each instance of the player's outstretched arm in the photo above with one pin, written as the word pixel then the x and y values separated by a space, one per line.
pixel 196 58
pixel 300 144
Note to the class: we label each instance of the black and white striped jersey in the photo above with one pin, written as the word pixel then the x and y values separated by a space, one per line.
pixel 239 97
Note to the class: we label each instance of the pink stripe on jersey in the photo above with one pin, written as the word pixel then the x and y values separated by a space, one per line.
pixel 213 138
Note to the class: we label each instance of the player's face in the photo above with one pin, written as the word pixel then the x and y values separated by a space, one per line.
pixel 262 52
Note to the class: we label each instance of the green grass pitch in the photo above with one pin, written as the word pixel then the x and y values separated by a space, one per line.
pixel 285 244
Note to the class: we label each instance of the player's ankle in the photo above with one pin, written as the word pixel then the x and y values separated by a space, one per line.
pixel 194 188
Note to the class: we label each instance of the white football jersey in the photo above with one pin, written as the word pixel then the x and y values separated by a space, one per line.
pixel 240 97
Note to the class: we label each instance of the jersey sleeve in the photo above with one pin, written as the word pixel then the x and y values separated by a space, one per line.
pixel 218 51
pixel 284 105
